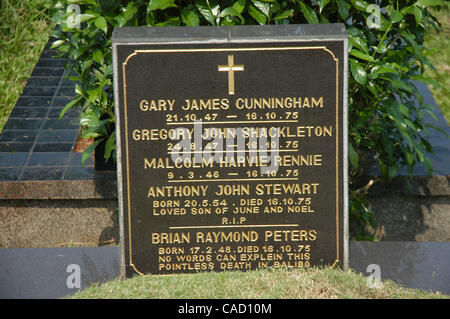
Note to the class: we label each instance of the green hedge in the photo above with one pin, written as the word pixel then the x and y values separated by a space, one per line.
pixel 386 54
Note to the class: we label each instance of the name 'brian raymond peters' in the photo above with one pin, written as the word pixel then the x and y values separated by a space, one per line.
pixel 293 235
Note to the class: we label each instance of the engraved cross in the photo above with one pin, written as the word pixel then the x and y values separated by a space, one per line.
pixel 231 68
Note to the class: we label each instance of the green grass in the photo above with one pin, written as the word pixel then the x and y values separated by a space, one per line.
pixel 257 284
pixel 439 45
pixel 24 31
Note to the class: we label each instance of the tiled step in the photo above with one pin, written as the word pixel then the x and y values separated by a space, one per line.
pixel 35 144
pixel 47 197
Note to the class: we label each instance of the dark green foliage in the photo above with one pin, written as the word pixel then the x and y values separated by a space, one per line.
pixel 386 54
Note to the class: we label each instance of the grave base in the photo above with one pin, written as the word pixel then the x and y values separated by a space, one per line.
pixel 421 213
pixel 84 213
pixel 42 272
pixel 58 214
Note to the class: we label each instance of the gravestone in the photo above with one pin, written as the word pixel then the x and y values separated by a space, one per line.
pixel 232 146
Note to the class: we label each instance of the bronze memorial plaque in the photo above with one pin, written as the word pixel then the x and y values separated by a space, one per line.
pixel 231 147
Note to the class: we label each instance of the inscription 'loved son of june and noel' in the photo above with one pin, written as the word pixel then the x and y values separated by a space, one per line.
pixel 231 154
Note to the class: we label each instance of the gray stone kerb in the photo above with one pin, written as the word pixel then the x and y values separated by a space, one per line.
pixel 77 189
pixel 423 186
